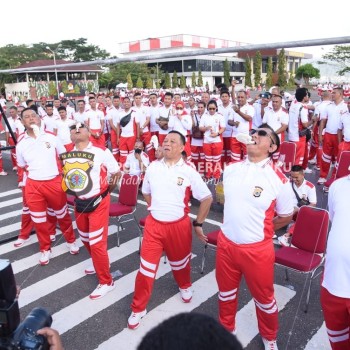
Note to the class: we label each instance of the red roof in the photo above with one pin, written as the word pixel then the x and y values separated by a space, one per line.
pixel 42 63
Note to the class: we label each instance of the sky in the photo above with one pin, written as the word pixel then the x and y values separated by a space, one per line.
pixel 111 22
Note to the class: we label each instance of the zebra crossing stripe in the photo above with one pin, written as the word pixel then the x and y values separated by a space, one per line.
pixel 10 215
pixel 71 274
pixel 11 202
pixel 78 312
pixel 10 193
pixel 319 341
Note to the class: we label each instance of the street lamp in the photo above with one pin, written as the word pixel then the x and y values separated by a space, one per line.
pixel 54 62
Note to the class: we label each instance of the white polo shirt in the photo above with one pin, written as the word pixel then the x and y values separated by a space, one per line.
pixel 141 114
pixel 244 125
pixel 165 113
pixel 344 125
pixel 183 126
pixel 85 172
pixel 305 191
pixel 227 112
pixel 154 113
pixel 170 189
pixel 80 117
pixel 128 129
pixel 333 114
pixel 298 113
pixel 63 132
pixel 133 164
pixel 95 118
pixel 216 122
pixel 50 122
pixel 257 119
pixel 39 155
pixel 276 119
pixel 336 278
pixel 253 192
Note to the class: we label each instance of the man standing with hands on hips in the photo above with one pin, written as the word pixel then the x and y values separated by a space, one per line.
pixel 245 244
pixel 166 188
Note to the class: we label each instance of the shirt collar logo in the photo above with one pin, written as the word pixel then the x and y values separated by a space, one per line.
pixel 257 191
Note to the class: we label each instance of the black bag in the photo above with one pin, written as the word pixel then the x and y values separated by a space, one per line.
pixel 301 201
pixel 305 132
pixel 125 120
pixel 196 133
pixel 164 119
pixel 90 204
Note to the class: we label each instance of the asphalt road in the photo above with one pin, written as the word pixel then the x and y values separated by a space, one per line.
pixel 63 289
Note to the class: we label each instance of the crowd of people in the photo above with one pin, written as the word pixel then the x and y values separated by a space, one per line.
pixel 176 149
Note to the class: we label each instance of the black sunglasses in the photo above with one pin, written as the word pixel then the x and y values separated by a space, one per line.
pixel 262 132
pixel 179 108
pixel 74 127
pixel 211 109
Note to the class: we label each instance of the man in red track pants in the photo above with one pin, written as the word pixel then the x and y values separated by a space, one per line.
pixel 85 175
pixel 37 152
pixel 166 188
pixel 245 246
pixel 335 291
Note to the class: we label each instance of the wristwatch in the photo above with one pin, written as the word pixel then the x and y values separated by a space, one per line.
pixel 195 223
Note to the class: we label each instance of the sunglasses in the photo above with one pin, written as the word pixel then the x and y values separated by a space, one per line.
pixel 262 132
pixel 179 108
pixel 211 109
pixel 74 127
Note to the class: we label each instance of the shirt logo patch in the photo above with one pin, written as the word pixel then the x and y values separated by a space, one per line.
pixel 180 181
pixel 47 144
pixel 257 191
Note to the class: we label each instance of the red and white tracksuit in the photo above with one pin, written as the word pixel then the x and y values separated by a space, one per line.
pixel 168 227
pixel 43 187
pixel 335 291
pixel 127 137
pixel 245 246
pixel 93 226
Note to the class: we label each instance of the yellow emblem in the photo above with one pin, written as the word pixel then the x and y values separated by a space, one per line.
pixel 75 176
pixel 257 191
pixel 180 181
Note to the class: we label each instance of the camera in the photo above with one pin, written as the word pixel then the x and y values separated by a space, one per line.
pixel 13 334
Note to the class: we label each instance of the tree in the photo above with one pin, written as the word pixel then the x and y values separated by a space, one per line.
pixel 129 81
pixel 341 55
pixel 307 71
pixel 193 82
pixel 281 64
pixel 167 81
pixel 248 72
pixel 200 78
pixel 52 89
pixel 257 68
pixel 269 73
pixel 106 80
pixel 226 73
pixel 182 82
pixel 139 83
pixel 149 82
pixel 175 83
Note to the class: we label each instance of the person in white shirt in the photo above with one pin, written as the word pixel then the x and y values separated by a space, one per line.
pixel 37 152
pixel 260 106
pixel 42 106
pixel 95 121
pixel 245 246
pixel 70 110
pixel 80 116
pixel 335 290
pixel 13 118
pixel 213 125
pixel 154 106
pixel 166 189
pixel 50 119
pixel 165 112
pixel 63 128
pixel 197 139
pixel 241 121
pixel 137 161
pixel 113 118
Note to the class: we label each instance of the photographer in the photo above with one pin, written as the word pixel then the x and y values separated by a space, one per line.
pixel 52 337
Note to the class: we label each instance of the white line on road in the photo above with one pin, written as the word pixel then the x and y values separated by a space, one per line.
pixel 10 193
pixel 319 341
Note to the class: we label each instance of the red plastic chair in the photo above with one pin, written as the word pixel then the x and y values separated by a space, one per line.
pixel 306 252
pixel 287 156
pixel 212 243
pixel 125 208
pixel 342 169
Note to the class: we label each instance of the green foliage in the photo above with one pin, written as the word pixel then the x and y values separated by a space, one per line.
pixel 291 82
pixel 167 81
pixel 157 84
pixel 307 71
pixel 193 82
pixel 248 72
pixel 175 83
pixel 257 68
pixel 52 89
pixel 64 87
pixel 149 82
pixel 90 86
pixel 129 81
pixel 106 80
pixel 282 73
pixel 182 82
pixel 207 86
pixel 341 55
pixel 200 79
pixel 269 73
pixel 226 73
pixel 139 83
pixel 76 89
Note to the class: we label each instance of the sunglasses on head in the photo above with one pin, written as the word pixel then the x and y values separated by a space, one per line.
pixel 262 132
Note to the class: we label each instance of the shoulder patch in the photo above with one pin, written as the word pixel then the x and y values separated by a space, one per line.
pixel 309 184
pixel 279 173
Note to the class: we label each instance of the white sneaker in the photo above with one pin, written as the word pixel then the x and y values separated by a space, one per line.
pixel 284 240
pixel 308 171
pixel 102 290
pixel 321 180
pixel 73 248
pixel 20 242
pixel 3 173
pixel 14 168
pixel 186 295
pixel 154 141
pixel 44 257
pixel 135 318
pixel 312 161
pixel 270 344
pixel 90 270
pixel 316 167
pixel 53 238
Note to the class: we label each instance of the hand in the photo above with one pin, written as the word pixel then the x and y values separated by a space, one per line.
pixel 20 184
pixel 200 234
pixel 235 108
pixel 320 139
pixel 53 338
pixel 137 156
pixel 236 124
pixel 233 83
